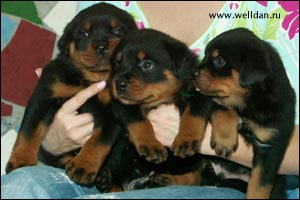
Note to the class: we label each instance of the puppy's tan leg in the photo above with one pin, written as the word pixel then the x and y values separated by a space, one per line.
pixel 255 189
pixel 141 134
pixel 26 149
pixel 224 132
pixel 84 167
pixel 190 178
pixel 191 133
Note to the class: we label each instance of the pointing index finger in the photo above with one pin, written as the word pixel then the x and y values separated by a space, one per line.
pixel 81 97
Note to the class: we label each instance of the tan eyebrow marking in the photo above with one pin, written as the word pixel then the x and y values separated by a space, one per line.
pixel 141 55
pixel 87 25
pixel 113 23
pixel 215 53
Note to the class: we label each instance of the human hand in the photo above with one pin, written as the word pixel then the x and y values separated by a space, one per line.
pixel 70 130
pixel 165 121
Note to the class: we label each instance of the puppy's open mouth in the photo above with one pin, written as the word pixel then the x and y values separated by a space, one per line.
pixel 219 97
pixel 130 101
pixel 99 70
pixel 212 94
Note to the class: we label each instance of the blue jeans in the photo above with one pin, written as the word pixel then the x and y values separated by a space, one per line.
pixel 48 182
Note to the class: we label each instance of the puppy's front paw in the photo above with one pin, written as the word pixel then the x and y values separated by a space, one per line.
pixel 17 161
pixel 224 137
pixel 104 180
pixel 224 146
pixel 185 145
pixel 160 180
pixel 153 151
pixel 82 171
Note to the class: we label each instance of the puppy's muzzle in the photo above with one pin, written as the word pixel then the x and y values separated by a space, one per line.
pixel 202 80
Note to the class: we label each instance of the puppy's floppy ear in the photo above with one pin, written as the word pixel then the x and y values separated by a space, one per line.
pixel 183 59
pixel 64 41
pixel 255 67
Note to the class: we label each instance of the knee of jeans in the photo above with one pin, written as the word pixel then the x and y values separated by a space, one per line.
pixel 28 175
pixel 20 174
pixel 28 182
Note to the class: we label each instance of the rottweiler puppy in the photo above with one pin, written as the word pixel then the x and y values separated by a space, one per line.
pixel 85 50
pixel 244 73
pixel 151 68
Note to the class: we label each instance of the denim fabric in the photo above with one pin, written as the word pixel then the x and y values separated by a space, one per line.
pixel 45 182
pixel 173 192
pixel 42 182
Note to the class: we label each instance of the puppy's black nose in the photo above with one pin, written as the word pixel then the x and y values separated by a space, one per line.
pixel 101 48
pixel 121 85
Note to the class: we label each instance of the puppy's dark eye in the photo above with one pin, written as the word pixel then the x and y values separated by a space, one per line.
pixel 102 50
pixel 146 65
pixel 119 31
pixel 219 62
pixel 84 33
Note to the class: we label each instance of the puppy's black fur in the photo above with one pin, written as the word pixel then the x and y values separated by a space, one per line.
pixel 85 50
pixel 244 73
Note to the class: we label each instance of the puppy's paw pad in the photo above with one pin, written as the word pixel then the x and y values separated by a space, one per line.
pixel 15 163
pixel 224 147
pixel 103 180
pixel 81 173
pixel 154 153
pixel 185 147
pixel 161 180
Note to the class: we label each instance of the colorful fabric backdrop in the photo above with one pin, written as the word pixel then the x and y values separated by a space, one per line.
pixel 27 42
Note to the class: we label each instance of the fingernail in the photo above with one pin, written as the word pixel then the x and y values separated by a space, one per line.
pixel 38 72
pixel 101 85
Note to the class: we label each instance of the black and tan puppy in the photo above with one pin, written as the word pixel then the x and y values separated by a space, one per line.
pixel 85 51
pixel 149 69
pixel 244 73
